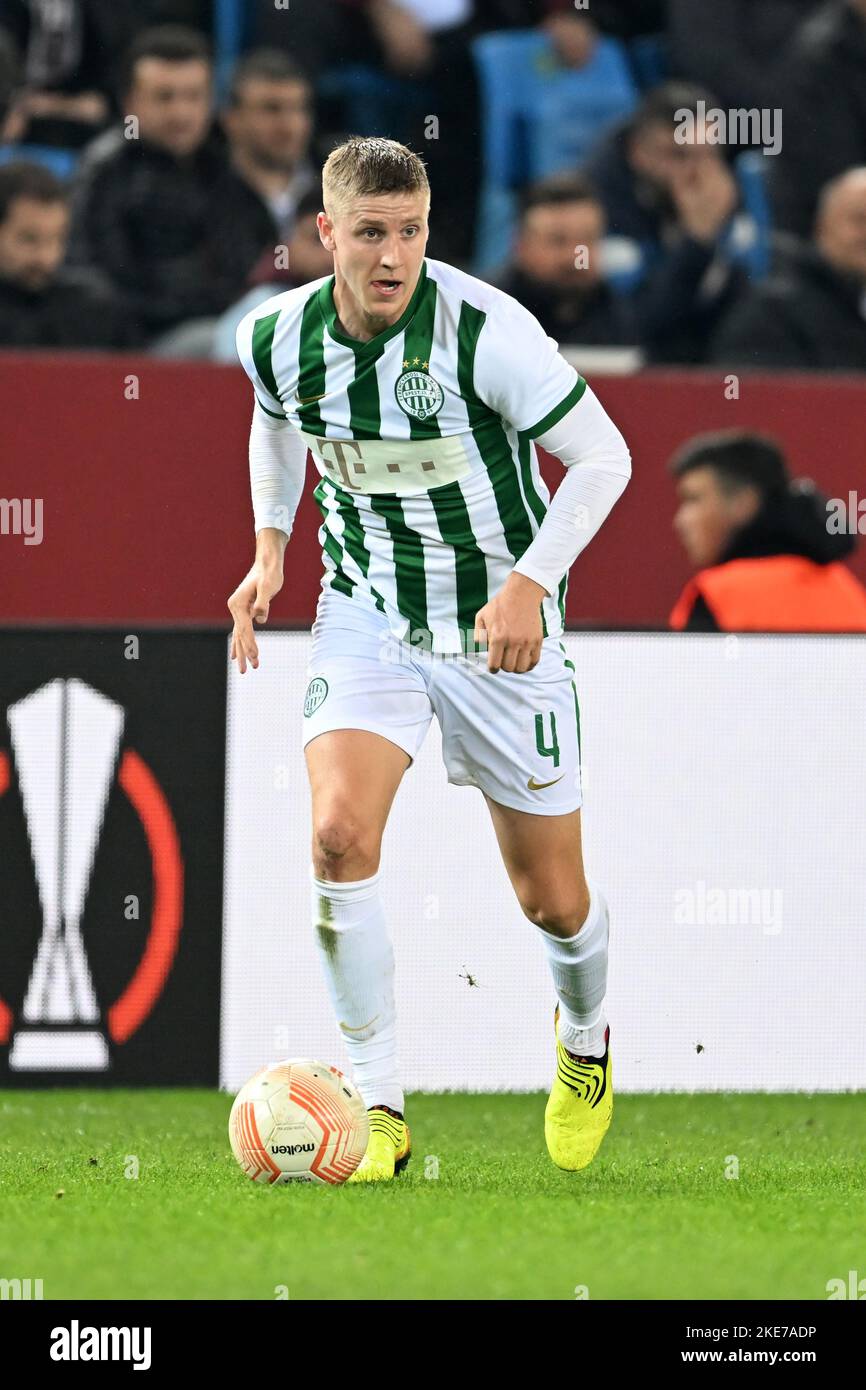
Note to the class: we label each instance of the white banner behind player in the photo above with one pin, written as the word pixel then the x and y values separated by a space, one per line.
pixel 724 815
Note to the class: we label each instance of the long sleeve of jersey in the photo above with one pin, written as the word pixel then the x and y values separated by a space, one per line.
pixel 598 466
pixel 278 467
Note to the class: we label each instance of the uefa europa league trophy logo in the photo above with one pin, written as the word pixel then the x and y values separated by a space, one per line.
pixel 65 738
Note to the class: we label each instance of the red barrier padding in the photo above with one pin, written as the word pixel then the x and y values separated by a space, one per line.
pixel 141 465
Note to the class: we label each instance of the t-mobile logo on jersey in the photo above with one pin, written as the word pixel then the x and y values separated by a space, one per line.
pixel 397 466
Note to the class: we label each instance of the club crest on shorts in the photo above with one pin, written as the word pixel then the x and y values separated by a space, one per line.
pixel 419 394
pixel 316 692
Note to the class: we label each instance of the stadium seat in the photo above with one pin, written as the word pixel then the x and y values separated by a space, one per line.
pixel 568 110
pixel 375 102
pixel 538 117
pixel 649 60
pixel 230 29
pixel 60 162
pixel 751 171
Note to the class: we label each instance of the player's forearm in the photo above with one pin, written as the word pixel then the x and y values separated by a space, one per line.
pixel 598 467
pixel 278 463
pixel 271 547
pixel 582 502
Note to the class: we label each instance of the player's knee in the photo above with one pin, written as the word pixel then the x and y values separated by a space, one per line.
pixel 560 916
pixel 343 849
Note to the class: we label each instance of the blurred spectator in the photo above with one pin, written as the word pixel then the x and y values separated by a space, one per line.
pixel 387 66
pixel 735 49
pixel 68 49
pixel 766 558
pixel 555 270
pixel 811 312
pixel 573 31
pixel 43 305
pixel 404 29
pixel 194 14
pixel 10 77
pixel 423 49
pixel 157 206
pixel 316 35
pixel 321 33
pixel 672 205
pixel 429 42
pixel 824 102
pixel 305 259
pixel 268 121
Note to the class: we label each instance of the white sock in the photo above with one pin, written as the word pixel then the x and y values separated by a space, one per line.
pixel 578 965
pixel 358 961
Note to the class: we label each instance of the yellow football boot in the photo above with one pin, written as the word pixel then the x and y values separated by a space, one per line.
pixel 388 1148
pixel 580 1107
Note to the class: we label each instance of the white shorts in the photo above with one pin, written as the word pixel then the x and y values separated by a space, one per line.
pixel 514 736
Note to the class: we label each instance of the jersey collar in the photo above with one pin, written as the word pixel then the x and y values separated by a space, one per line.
pixel 329 314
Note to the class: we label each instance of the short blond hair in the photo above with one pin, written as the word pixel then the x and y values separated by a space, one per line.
pixel 370 164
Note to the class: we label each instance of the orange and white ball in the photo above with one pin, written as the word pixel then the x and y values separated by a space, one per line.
pixel 298 1121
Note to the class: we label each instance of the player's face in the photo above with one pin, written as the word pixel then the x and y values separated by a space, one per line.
pixel 172 102
pixel 271 123
pixel 33 242
pixel 560 244
pixel 378 244
pixel 707 517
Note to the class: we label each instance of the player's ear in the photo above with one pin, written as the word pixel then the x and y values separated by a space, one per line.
pixel 326 231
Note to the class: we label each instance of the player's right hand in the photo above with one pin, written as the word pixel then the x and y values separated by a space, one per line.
pixel 250 603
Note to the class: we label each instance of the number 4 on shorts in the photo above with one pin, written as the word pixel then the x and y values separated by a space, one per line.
pixel 553 750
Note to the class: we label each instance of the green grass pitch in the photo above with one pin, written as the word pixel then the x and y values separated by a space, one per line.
pixel 480 1213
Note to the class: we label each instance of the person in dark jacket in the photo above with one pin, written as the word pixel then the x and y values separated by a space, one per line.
pixel 737 49
pixel 824 102
pixel 269 124
pixel 766 556
pixel 556 267
pixel 306 258
pixel 621 19
pixel 811 312
pixel 43 305
pixel 672 204
pixel 67 55
pixel 10 79
pixel 158 208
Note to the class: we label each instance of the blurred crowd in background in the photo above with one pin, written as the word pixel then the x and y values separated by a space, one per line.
pixel 160 162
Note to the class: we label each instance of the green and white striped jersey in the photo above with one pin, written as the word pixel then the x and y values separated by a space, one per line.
pixel 430 489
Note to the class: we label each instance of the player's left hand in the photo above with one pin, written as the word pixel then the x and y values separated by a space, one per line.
pixel 511 625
